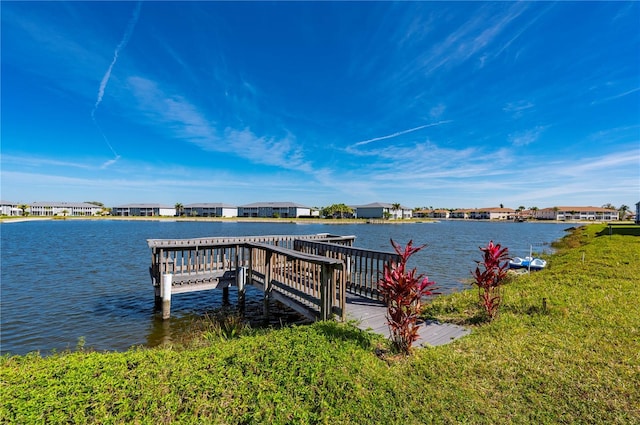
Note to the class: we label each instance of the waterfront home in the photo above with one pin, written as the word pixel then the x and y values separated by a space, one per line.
pixel 50 209
pixel 210 210
pixel 143 210
pixel 274 209
pixel 9 208
pixel 431 214
pixel 461 213
pixel 577 213
pixel 493 214
pixel 383 210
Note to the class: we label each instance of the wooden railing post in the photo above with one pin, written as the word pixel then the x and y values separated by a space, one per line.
pixel 267 285
pixel 241 282
pixel 325 292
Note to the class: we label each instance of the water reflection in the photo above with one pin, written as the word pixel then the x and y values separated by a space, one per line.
pixel 174 329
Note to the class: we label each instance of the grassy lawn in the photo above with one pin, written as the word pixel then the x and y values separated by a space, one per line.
pixel 565 348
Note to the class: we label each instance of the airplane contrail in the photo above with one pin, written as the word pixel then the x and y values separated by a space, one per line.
pixel 400 133
pixel 107 75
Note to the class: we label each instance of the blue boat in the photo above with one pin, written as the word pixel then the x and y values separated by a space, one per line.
pixel 528 263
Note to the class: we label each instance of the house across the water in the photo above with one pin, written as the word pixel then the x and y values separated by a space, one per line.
pixel 143 210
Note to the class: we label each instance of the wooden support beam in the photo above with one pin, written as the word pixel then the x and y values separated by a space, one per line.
pixel 268 286
pixel 166 296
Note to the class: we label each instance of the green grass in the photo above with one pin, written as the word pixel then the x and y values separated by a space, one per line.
pixel 573 358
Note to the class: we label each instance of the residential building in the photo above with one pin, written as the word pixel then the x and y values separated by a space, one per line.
pixel 50 209
pixel 443 214
pixel 383 210
pixel 274 209
pixel 9 208
pixel 493 214
pixel 577 214
pixel 210 210
pixel 461 213
pixel 638 213
pixel 143 210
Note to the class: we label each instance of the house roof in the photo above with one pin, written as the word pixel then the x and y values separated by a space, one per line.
pixel 381 205
pixel 64 204
pixel 273 205
pixel 580 209
pixel 144 206
pixel 495 210
pixel 210 205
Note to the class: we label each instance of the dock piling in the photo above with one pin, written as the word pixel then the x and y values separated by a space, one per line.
pixel 241 281
pixel 166 295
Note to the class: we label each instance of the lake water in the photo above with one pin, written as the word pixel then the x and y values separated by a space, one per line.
pixel 66 279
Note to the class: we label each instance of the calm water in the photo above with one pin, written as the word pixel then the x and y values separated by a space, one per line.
pixel 62 280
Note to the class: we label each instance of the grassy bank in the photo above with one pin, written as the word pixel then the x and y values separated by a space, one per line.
pixel 564 349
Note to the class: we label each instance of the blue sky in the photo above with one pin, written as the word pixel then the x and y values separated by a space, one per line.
pixel 443 104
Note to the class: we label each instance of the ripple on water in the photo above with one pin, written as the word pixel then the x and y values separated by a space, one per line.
pixel 66 279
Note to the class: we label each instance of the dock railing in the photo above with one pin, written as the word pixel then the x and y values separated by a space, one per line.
pixel 363 267
pixel 301 280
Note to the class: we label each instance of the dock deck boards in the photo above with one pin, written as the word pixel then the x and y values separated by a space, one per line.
pixel 371 315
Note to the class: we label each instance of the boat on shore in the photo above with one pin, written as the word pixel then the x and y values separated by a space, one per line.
pixel 529 263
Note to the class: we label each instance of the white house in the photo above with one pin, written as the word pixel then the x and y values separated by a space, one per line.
pixel 9 208
pixel 493 214
pixel 143 210
pixel 50 209
pixel 383 210
pixel 211 210
pixel 577 213
pixel 274 209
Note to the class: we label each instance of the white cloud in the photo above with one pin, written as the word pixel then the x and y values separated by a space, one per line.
pixel 517 108
pixel 524 138
pixel 398 133
pixel 186 122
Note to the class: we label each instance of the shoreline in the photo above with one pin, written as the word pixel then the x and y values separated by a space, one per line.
pixel 287 220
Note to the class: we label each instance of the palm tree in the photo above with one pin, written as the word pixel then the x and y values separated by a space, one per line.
pixel 608 206
pixel 345 209
pixel 179 207
pixel 396 207
pixel 623 211
pixel 24 208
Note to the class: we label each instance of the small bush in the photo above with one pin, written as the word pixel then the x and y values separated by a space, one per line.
pixel 403 292
pixel 490 279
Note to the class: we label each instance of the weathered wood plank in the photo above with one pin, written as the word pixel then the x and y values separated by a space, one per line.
pixel 371 314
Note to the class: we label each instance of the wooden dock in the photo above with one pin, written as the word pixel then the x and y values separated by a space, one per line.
pixel 371 315
pixel 321 276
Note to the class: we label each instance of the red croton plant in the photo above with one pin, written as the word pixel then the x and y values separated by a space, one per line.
pixel 490 275
pixel 403 291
